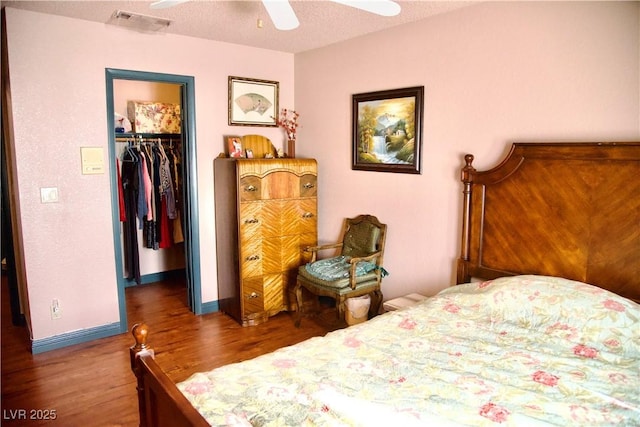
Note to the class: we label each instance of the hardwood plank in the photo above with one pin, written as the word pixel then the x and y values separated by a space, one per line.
pixel 91 384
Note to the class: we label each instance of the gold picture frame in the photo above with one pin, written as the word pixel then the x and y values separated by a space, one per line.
pixel 253 102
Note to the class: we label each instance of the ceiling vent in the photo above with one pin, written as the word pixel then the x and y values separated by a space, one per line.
pixel 138 21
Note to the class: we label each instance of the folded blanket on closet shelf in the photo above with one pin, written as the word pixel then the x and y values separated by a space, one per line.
pixel 154 117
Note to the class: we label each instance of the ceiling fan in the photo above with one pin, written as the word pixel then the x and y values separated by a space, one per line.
pixel 284 18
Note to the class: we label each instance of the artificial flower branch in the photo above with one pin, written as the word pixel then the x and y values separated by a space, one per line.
pixel 288 120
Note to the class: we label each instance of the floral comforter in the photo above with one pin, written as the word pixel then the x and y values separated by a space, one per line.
pixel 524 351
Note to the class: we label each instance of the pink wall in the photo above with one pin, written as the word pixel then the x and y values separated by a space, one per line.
pixel 493 73
pixel 58 91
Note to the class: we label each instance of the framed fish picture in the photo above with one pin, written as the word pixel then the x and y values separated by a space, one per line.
pixel 253 102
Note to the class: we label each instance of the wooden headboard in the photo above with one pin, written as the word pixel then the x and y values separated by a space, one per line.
pixel 569 210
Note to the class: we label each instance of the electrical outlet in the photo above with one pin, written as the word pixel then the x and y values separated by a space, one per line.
pixel 49 195
pixel 56 310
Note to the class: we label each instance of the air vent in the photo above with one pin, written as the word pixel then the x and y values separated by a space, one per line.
pixel 138 21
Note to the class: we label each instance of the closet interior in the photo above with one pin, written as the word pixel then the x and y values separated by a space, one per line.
pixel 149 152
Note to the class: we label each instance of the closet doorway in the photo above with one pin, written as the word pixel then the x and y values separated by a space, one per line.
pixel 184 85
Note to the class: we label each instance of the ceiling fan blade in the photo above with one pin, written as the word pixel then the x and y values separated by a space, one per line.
pixel 282 14
pixel 379 7
pixel 164 4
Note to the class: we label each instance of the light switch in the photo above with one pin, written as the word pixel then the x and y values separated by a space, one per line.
pixel 49 194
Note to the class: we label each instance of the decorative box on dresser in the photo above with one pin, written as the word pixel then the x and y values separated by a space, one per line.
pixel 266 214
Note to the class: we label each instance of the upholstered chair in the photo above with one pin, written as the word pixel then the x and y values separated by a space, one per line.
pixel 354 270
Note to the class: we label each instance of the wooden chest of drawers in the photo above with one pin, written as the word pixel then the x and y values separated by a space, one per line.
pixel 266 213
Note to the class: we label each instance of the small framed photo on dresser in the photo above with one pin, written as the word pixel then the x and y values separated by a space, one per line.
pixel 234 147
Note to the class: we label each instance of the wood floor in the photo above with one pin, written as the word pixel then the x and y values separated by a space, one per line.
pixel 91 384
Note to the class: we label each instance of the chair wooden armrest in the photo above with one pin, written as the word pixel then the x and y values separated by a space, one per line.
pixel 354 262
pixel 375 255
pixel 315 249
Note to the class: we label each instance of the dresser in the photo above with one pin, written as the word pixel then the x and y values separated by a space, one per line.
pixel 266 214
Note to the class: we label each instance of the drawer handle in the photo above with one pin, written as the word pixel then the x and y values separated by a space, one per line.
pixel 307 215
pixel 251 221
pixel 253 258
pixel 309 185
pixel 251 188
pixel 253 295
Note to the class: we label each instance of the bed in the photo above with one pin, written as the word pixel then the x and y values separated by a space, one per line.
pixel 521 340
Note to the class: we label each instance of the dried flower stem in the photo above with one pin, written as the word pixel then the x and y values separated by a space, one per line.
pixel 288 120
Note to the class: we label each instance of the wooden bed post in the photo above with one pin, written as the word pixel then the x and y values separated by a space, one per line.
pixel 140 332
pixel 467 179
pixel 160 402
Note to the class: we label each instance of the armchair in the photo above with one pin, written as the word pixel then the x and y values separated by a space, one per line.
pixel 356 270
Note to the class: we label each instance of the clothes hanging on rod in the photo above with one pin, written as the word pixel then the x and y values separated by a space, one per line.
pixel 121 208
pixel 130 189
pixel 149 179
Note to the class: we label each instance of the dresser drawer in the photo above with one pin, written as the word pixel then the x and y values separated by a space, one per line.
pixel 280 185
pixel 308 185
pixel 253 296
pixel 250 188
pixel 251 220
pixel 307 216
pixel 251 258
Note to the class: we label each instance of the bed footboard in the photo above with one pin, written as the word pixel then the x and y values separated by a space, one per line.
pixel 160 403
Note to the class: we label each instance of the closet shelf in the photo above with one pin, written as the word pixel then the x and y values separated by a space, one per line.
pixel 147 135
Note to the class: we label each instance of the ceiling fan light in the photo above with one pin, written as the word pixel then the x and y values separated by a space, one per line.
pixel 379 7
pixel 281 14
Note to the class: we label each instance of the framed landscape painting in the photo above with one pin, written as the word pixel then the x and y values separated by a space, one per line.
pixel 387 130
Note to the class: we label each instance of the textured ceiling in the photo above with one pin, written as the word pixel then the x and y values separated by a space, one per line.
pixel 321 22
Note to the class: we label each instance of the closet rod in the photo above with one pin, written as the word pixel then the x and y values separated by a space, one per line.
pixel 161 139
